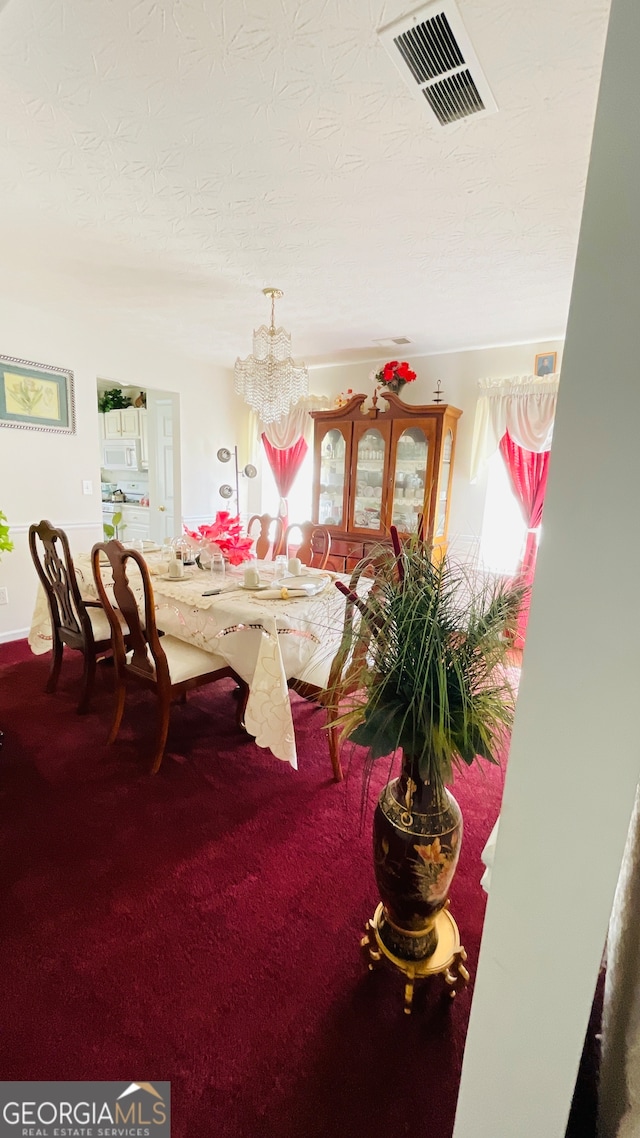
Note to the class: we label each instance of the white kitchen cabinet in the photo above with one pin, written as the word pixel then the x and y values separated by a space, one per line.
pixel 112 425
pixel 130 423
pixel 136 519
pixel 144 438
pixel 122 424
pixel 135 532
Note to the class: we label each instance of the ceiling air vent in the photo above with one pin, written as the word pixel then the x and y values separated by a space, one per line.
pixel 436 59
pixel 392 342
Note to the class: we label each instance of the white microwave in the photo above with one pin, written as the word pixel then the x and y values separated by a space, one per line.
pixel 121 454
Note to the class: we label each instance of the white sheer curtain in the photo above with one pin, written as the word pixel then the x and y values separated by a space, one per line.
pixel 525 406
pixel 286 431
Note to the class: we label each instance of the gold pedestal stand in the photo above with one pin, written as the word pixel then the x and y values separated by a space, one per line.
pixel 448 958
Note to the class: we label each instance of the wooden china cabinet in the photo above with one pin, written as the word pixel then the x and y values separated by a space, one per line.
pixel 382 464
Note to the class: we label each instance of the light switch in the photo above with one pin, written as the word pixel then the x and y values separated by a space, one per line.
pixel 87 486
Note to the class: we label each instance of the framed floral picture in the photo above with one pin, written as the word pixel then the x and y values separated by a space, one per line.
pixel 36 397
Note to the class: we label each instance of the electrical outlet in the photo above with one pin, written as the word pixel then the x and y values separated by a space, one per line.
pixel 4 596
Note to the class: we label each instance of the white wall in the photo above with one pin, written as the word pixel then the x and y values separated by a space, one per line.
pixel 574 760
pixel 458 373
pixel 41 475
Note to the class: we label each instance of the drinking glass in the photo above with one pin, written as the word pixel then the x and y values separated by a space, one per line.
pixel 166 553
pixel 217 569
pixel 280 564
pixel 180 549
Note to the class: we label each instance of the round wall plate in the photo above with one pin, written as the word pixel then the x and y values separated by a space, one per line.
pixel 250 470
pixel 226 491
pixel 224 454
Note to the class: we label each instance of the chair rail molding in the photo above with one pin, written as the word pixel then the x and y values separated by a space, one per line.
pixel 23 527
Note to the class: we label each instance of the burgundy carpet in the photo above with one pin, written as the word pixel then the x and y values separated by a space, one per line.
pixel 202 926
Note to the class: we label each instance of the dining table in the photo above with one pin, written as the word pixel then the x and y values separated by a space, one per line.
pixel 267 634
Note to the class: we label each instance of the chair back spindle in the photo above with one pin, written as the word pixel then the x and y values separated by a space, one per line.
pixel 75 622
pixel 315 545
pixel 270 536
pixel 54 566
pixel 148 658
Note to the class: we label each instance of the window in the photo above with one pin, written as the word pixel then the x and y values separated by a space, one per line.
pixel 503 528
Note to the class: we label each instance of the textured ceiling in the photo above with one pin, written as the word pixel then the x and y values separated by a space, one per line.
pixel 160 162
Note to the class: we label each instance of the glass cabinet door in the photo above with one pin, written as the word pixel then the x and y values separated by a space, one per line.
pixel 333 458
pixel 445 479
pixel 410 479
pixel 368 481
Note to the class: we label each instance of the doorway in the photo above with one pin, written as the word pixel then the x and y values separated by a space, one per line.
pixel 165 498
pixel 140 461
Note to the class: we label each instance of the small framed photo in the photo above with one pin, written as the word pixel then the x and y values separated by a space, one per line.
pixel 36 397
pixel 546 363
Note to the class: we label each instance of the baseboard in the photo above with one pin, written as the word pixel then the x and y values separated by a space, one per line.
pixel 15 634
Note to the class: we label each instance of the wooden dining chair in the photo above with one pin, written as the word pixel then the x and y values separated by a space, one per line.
pixel 270 537
pixel 76 623
pixel 169 666
pixel 330 679
pixel 314 547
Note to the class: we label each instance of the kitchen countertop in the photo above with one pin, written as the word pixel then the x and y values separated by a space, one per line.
pixel 111 502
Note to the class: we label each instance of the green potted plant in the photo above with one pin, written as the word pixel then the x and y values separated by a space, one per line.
pixel 115 528
pixel 6 545
pixel 430 683
pixel 113 400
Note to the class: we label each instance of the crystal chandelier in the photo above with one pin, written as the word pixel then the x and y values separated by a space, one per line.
pixel 269 380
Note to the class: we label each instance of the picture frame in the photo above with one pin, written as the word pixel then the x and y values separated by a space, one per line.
pixel 36 397
pixel 546 363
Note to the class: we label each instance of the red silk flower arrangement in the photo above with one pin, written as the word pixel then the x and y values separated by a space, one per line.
pixel 394 375
pixel 225 532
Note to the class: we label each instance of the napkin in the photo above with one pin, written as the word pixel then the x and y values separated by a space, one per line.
pixel 309 584
pixel 283 594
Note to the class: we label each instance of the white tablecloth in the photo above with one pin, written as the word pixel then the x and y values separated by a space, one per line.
pixel 265 641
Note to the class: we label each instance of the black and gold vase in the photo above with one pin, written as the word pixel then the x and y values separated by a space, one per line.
pixel 417 832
